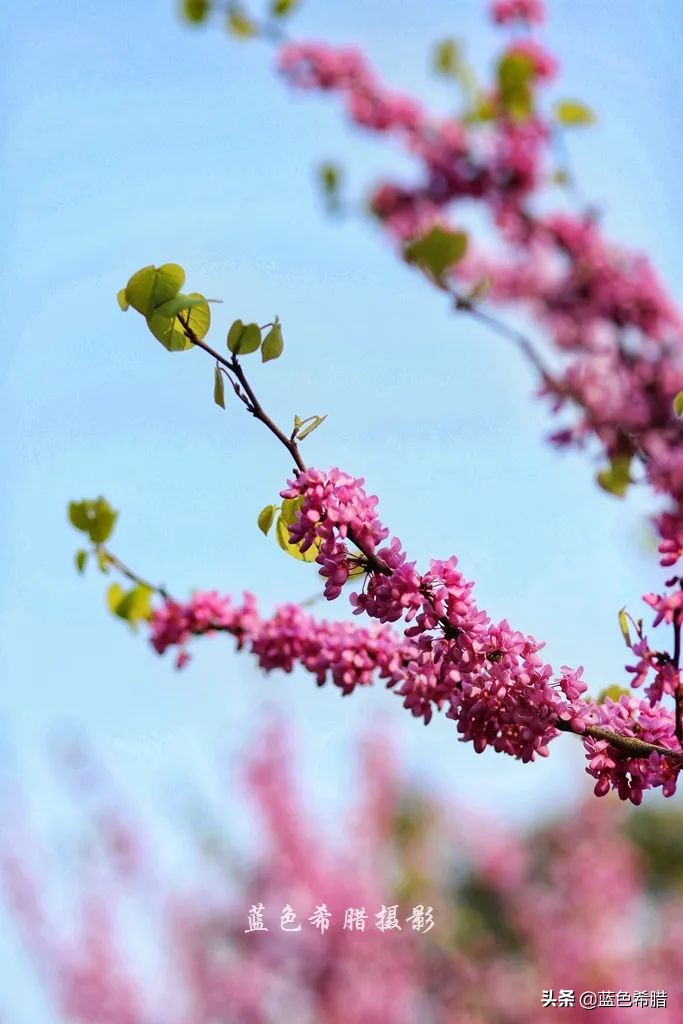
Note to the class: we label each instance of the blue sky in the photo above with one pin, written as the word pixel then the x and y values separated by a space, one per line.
pixel 131 139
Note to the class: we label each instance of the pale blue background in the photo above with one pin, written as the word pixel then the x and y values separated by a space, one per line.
pixel 130 139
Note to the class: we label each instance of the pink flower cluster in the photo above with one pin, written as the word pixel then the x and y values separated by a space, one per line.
pixel 490 679
pixel 457 166
pixel 644 720
pixel 173 624
pixel 318 66
pixel 332 504
pixel 619 333
pixel 338 652
pixel 505 11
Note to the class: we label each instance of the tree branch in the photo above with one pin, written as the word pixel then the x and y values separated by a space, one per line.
pixel 121 567
pixel 499 327
pixel 629 744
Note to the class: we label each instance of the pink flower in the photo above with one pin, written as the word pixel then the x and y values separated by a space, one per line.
pixel 505 11
pixel 629 775
pixel 393 596
pixel 173 624
pixel 667 606
pixel 670 529
pixel 317 65
pixel 333 506
pixel 543 63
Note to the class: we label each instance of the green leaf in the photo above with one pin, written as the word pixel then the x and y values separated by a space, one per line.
pixel 103 560
pixel 282 535
pixel 315 422
pixel 571 113
pixel 96 518
pixel 329 178
pixel 281 8
pixel 140 290
pixel 122 300
pixel 244 338
pixel 136 605
pixel 235 335
pixel 150 287
pixel 623 626
pixel 81 559
pixel 449 61
pixel 617 477
pixel 133 606
pixel 102 522
pixel 155 292
pixel 240 24
pixel 515 74
pixel 678 404
pixel 114 596
pixel 437 251
pixel 447 57
pixel 272 343
pixel 613 692
pixel 218 388
pixel 198 318
pixel 288 513
pixel 179 304
pixel 265 518
pixel 78 515
pixel 169 330
pixel 290 508
pixel 196 11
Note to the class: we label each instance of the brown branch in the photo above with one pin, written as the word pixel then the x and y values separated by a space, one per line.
pixel 121 567
pixel 253 405
pixel 629 744
pixel 463 304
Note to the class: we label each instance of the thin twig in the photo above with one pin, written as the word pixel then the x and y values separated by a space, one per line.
pixel 503 330
pixel 121 567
